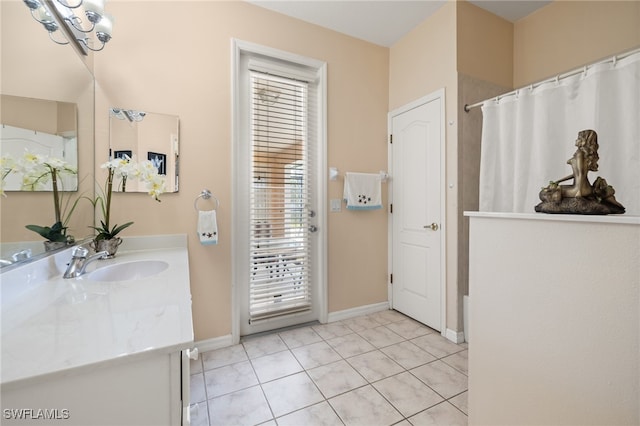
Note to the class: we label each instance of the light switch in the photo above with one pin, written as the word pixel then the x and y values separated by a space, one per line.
pixel 336 205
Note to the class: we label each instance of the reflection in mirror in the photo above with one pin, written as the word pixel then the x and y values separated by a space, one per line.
pixel 41 127
pixel 34 69
pixel 146 136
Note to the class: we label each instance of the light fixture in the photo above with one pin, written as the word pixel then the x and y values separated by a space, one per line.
pixel 127 114
pixel 81 31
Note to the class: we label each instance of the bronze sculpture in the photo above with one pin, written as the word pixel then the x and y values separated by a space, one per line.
pixel 581 197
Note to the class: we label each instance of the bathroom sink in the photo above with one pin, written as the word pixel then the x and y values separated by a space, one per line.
pixel 129 271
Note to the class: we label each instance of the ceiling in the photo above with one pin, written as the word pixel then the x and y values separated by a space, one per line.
pixel 384 22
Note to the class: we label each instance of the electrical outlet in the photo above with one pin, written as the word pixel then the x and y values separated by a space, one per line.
pixel 336 205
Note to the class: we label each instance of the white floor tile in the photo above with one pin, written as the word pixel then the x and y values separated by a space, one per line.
pixel 459 361
pixel 441 414
pixel 317 415
pixel 263 345
pixel 408 355
pixel 245 407
pixel 378 369
pixel 196 391
pixel 350 345
pixel 329 331
pixel 407 394
pixel 291 393
pixel 445 380
pixel 275 366
pixel 409 329
pixel 380 336
pixel 225 356
pixel 461 402
pixel 374 365
pixel 315 355
pixel 365 407
pixel 229 378
pixel 336 378
pixel 300 337
pixel 436 345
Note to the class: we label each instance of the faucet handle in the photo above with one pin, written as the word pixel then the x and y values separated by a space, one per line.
pixel 80 252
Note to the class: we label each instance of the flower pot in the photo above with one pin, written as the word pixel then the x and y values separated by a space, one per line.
pixel 54 245
pixel 110 246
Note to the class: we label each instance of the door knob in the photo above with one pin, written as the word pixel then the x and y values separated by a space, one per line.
pixel 434 226
pixel 192 353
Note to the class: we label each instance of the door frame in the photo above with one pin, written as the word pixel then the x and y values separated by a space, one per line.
pixel 239 48
pixel 438 94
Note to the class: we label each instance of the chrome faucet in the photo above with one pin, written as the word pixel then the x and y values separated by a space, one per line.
pixel 21 255
pixel 80 261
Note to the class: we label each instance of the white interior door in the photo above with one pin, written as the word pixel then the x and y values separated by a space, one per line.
pixel 416 252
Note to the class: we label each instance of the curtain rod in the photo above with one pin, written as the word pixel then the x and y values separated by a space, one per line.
pixel 557 78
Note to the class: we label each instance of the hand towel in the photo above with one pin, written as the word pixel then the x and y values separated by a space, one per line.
pixel 363 191
pixel 207 227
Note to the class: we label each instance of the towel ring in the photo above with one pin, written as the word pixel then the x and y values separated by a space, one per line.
pixel 205 194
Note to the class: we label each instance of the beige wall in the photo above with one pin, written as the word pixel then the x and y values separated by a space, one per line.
pixel 419 64
pixel 179 63
pixel 568 34
pixel 484 45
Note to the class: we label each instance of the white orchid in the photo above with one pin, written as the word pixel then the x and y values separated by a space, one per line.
pixel 125 168
pixel 36 171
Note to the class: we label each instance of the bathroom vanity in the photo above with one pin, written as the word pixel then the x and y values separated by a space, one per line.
pixel 108 348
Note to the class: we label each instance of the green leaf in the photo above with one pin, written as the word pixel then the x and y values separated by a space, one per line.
pixel 57 232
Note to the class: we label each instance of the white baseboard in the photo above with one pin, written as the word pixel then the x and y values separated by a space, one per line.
pixel 358 311
pixel 454 336
pixel 214 343
pixel 226 341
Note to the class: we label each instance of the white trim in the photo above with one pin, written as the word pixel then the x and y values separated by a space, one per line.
pixel 214 343
pixel 454 336
pixel 358 311
pixel 626 219
pixel 239 47
pixel 438 94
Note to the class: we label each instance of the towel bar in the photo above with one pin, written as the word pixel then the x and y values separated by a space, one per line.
pixel 205 194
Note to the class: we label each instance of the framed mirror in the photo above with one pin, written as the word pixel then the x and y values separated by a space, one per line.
pixel 149 136
pixel 45 88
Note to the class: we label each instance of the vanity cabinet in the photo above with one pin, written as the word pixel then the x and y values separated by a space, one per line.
pixel 148 390
pixel 85 351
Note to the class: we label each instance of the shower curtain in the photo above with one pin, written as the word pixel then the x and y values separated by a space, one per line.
pixel 528 135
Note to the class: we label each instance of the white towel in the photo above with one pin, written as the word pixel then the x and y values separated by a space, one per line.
pixel 363 191
pixel 207 227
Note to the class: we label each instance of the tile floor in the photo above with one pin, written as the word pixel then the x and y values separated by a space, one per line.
pixel 378 369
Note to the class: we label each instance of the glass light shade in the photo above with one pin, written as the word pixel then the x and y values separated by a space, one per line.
pixel 42 14
pixel 95 6
pixel 105 25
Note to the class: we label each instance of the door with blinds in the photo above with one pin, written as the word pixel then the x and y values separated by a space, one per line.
pixel 280 277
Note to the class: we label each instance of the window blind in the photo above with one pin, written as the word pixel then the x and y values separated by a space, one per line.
pixel 279 197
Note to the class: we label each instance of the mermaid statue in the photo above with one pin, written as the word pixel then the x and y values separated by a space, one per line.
pixel 581 197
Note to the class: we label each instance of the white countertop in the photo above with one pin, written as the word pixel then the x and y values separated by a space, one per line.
pixel 613 218
pixel 52 325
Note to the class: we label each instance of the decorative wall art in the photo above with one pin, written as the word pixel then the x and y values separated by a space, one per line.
pixel 122 154
pixel 159 161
